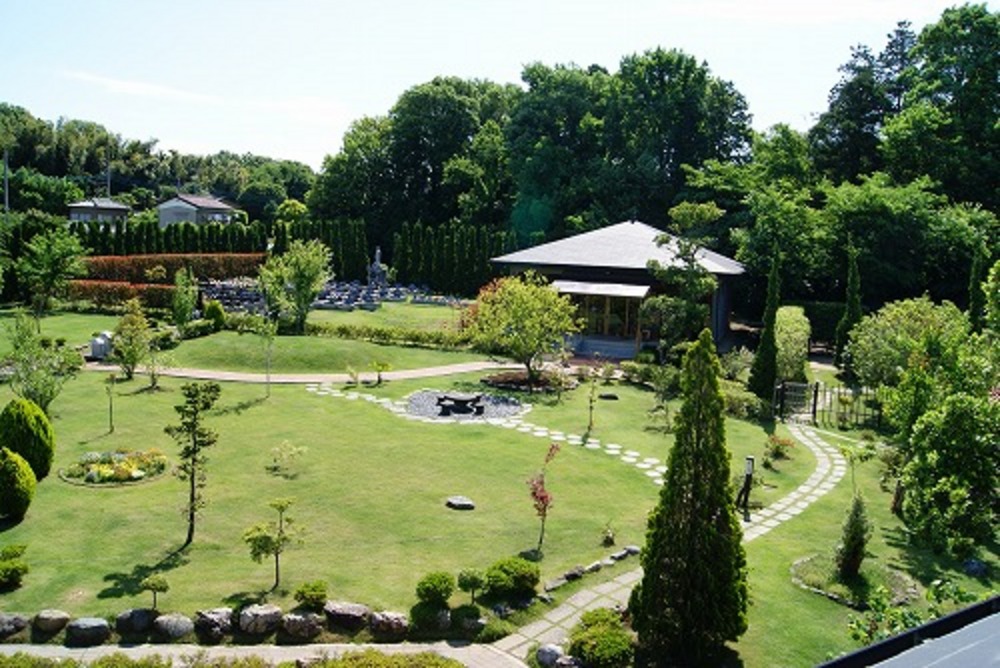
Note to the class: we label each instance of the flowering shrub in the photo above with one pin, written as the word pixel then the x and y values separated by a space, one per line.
pixel 778 447
pixel 104 468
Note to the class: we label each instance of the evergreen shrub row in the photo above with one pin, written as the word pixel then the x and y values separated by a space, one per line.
pixel 438 338
pixel 136 268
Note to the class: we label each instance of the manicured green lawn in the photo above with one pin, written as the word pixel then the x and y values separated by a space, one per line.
pixel 76 328
pixel 305 354
pixel 370 493
pixel 394 314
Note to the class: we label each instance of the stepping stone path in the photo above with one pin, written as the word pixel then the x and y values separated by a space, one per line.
pixel 554 627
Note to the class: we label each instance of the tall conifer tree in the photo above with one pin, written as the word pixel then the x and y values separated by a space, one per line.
pixel 852 310
pixel 693 594
pixel 765 362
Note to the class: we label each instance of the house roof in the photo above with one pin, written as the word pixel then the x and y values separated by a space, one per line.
pixel 100 203
pixel 628 245
pixel 201 202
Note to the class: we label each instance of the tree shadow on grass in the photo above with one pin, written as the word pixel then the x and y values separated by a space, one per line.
pixel 127 584
pixel 239 408
pixel 926 565
pixel 8 523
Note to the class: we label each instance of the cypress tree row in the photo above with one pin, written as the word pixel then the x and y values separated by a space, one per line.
pixel 765 361
pixel 693 594
pixel 852 310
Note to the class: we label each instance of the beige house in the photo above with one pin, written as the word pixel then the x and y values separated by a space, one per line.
pixel 198 209
pixel 98 209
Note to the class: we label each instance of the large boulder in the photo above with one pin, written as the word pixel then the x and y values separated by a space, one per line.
pixel 87 632
pixel 302 626
pixel 389 625
pixel 12 623
pixel 172 626
pixel 260 620
pixel 212 625
pixel 350 616
pixel 137 621
pixel 51 621
pixel 547 655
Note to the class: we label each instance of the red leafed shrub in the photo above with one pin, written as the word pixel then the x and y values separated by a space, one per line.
pixel 134 268
pixel 113 293
pixel 101 293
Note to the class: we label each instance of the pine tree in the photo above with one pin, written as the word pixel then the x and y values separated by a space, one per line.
pixel 852 310
pixel 765 361
pixel 857 530
pixel 693 595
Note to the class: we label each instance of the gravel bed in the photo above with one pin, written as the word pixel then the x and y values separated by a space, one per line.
pixel 424 403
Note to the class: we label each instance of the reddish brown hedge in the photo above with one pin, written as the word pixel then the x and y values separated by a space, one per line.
pixel 133 268
pixel 113 293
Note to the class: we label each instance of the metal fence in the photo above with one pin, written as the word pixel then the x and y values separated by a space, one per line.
pixel 828 406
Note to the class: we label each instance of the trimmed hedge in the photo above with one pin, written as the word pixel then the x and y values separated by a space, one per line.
pixel 823 318
pixel 133 268
pixel 437 338
pixel 512 577
pixel 600 640
pixel 436 588
pixel 113 293
pixel 26 430
pixel 17 484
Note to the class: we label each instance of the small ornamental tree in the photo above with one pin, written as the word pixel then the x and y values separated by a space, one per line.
pixel 17 485
pixel 271 539
pixel 765 364
pixel 38 372
pixel 193 438
pixel 854 539
pixel 157 584
pixel 693 594
pixel 523 317
pixel 540 496
pixel 131 339
pixel 471 580
pixel 436 588
pixel 46 265
pixel 26 430
pixel 267 330
pixel 852 309
pixel 291 280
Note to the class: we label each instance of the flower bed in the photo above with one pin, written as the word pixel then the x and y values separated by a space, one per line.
pixel 116 468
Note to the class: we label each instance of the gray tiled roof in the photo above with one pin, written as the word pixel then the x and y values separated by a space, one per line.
pixel 203 202
pixel 628 245
pixel 99 203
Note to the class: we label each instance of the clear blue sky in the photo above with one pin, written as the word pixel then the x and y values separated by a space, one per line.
pixel 284 78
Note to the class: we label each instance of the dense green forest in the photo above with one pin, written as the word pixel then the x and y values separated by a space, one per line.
pixel 904 161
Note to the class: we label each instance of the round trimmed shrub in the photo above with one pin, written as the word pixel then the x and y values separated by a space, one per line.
pixel 311 595
pixel 436 588
pixel 17 484
pixel 215 314
pixel 512 577
pixel 600 640
pixel 26 430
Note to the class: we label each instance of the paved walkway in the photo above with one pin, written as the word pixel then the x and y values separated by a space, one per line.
pixel 554 627
pixel 303 378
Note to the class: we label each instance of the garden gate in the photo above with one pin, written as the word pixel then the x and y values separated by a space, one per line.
pixel 819 404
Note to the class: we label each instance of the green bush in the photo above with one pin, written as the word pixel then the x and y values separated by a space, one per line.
pixel 436 588
pixel 495 629
pixel 603 644
pixel 311 595
pixel 17 484
pixel 12 567
pixel 26 430
pixel 471 580
pixel 426 617
pixel 464 613
pixel 823 317
pixel 436 338
pixel 740 402
pixel 215 314
pixel 512 577
pixel 197 328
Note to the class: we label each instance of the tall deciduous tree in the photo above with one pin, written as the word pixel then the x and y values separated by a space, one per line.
pixel 693 594
pixel 47 264
pixel 764 371
pixel 194 438
pixel 524 317
pixel 38 372
pixel 290 282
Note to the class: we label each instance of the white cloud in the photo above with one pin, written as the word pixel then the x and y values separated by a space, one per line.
pixel 141 88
